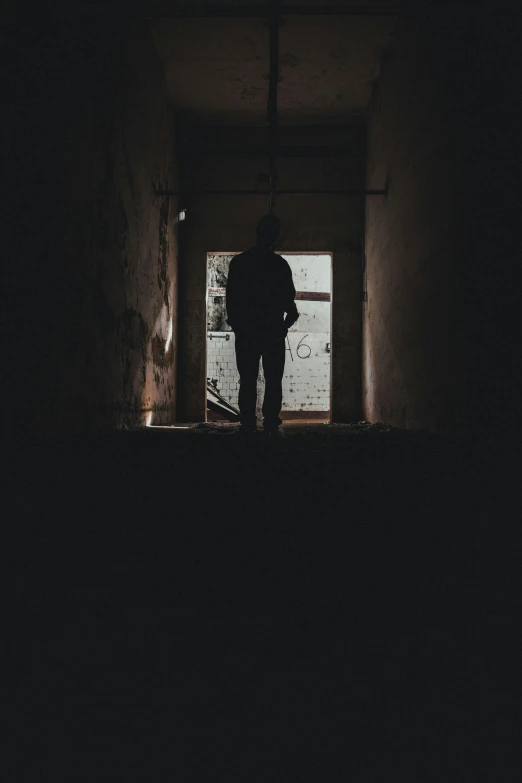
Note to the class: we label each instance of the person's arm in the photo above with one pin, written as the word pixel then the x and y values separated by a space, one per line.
pixel 232 298
pixel 290 307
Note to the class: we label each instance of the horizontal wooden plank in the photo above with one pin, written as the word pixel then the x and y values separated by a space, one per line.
pixel 312 296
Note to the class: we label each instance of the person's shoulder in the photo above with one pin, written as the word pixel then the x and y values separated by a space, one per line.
pixel 244 256
pixel 281 262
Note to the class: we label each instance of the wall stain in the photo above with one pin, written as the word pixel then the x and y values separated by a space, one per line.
pixel 133 337
pixel 289 59
pixel 160 357
pixel 163 249
pixel 251 92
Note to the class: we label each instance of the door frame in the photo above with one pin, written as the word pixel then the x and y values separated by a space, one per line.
pixel 283 254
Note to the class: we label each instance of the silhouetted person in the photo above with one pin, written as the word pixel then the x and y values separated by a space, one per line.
pixel 260 310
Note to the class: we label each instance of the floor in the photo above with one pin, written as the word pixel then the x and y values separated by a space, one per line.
pixel 341 605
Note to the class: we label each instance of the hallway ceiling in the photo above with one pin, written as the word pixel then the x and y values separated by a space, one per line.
pixel 217 69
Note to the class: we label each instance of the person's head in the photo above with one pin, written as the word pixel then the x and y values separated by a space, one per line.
pixel 267 230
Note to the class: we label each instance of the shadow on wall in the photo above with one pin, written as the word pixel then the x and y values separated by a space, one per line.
pixel 94 256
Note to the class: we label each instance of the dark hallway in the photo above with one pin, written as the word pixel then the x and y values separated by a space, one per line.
pixel 343 602
pixel 345 606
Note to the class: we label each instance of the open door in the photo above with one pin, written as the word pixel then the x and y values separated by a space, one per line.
pixel 307 378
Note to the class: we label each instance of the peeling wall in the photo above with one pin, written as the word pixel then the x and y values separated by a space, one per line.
pixel 92 265
pixel 440 335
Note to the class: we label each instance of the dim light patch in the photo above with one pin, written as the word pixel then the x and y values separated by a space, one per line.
pixel 149 419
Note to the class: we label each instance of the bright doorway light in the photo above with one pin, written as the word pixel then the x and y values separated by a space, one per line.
pixel 307 377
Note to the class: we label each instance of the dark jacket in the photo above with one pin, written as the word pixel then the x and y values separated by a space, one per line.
pixel 260 290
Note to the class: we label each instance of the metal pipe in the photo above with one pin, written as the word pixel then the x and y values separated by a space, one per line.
pixel 260 151
pixel 260 11
pixel 272 100
pixel 339 192
pixel 357 123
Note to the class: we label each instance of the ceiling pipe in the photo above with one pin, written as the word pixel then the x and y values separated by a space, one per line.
pixel 272 100
pixel 261 11
pixel 237 12
pixel 260 151
pixel 278 192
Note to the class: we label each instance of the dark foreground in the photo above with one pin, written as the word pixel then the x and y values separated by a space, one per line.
pixel 343 605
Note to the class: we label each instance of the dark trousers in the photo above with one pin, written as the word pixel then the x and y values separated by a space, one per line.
pixel 250 348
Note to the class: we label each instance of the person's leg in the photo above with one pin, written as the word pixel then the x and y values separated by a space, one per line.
pixel 247 360
pixel 273 353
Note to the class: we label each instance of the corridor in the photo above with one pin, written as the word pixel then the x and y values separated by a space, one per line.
pixel 338 605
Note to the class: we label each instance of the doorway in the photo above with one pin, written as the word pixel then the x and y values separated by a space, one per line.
pixel 307 377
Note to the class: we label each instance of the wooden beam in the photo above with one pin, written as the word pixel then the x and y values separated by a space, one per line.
pixel 312 296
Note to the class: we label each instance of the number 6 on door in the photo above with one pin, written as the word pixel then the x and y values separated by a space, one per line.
pixel 303 346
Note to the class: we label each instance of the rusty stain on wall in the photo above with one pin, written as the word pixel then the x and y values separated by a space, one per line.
pixel 163 248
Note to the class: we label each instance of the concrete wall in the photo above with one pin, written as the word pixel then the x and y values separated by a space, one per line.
pixel 226 224
pixel 91 265
pixel 440 331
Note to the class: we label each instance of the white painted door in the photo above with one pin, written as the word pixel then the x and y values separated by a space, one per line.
pixel 306 382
